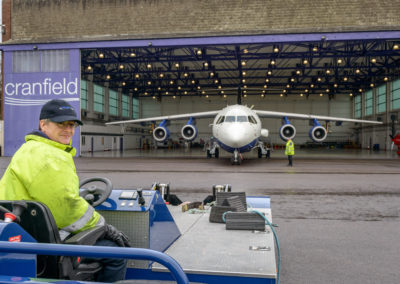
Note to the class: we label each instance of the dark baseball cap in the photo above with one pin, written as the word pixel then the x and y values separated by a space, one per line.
pixel 59 111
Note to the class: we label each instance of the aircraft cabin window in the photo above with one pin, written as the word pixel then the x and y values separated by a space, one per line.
pixel 241 118
pixel 230 118
pixel 252 119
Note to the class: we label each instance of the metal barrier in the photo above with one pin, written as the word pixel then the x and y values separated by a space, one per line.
pixel 98 251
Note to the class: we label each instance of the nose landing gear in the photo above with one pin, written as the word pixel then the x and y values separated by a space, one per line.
pixel 236 158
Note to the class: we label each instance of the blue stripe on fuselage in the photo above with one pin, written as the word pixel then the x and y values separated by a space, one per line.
pixel 245 148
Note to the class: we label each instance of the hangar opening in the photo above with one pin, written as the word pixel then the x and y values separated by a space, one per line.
pixel 346 75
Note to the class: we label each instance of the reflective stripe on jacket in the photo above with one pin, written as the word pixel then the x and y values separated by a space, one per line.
pixel 289 150
pixel 43 170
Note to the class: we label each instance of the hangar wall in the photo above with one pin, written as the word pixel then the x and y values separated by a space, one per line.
pixel 72 20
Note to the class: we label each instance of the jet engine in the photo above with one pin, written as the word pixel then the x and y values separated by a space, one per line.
pixel 318 133
pixel 287 130
pixel 161 132
pixel 189 131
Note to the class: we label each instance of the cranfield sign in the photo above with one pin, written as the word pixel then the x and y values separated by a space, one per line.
pixel 47 87
pixel 26 93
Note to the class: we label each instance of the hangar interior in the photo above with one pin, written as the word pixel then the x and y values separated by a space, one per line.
pixel 343 78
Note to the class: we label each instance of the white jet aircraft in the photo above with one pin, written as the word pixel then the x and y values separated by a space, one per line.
pixel 237 128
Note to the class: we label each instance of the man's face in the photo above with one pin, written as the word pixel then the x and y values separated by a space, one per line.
pixel 61 132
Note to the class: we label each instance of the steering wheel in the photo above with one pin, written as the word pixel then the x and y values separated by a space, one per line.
pixel 95 195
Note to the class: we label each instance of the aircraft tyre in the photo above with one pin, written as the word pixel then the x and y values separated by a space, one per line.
pixel 259 153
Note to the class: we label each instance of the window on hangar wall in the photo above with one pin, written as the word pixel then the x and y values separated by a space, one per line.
pixel 98 98
pixel 395 103
pixel 381 99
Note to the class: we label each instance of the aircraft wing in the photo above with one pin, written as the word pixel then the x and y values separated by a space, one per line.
pixel 266 113
pixel 168 117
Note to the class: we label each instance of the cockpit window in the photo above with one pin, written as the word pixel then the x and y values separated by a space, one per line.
pixel 230 118
pixel 252 119
pixel 220 119
pixel 241 118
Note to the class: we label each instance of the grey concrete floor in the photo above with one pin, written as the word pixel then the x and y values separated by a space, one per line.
pixel 338 211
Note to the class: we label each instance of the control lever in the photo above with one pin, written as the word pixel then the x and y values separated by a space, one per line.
pixel 141 199
pixel 18 208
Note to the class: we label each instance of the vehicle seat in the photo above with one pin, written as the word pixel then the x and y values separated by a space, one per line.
pixel 38 221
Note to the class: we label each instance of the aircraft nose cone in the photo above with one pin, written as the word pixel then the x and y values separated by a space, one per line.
pixel 236 137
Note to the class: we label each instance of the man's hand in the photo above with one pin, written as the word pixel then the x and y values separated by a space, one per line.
pixel 117 236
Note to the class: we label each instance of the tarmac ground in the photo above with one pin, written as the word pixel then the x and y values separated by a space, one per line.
pixel 338 212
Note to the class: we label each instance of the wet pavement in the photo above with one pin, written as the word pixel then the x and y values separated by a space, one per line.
pixel 338 211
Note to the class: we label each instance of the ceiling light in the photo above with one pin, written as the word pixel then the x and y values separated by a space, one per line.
pixel 193 82
pixel 133 54
pixel 161 75
pixel 265 86
pixel 166 93
pixel 371 85
pixel 149 65
pixel 345 79
pixel 245 86
pixel 245 50
pixel 179 87
pixel 287 86
pixel 301 94
pixel 211 74
pixel 198 87
pixel 327 90
pixel 159 88
pixel 263 91
pixel 203 92
pixel 174 97
pixel 312 86
pixel 89 67
pixel 216 81
pixel 267 80
pixel 269 72
pixel 224 96
pixel 135 89
pixel 321 94
pixel 185 74
pixel 319 79
pixel 351 94
pixel 298 72
pixel 148 82
pixel 101 55
pixel 205 64
pixel 291 79
pixel 281 95
pixel 207 96
pixel 244 81
pixel 222 92
pixel 335 85
pixel 315 49
pixel 245 95
pixel 154 97
pixel 273 62
pixel 137 76
pixel 262 95
pixel 396 47
pixel 373 60
pixel 199 52
pixel 123 83
pixel 121 66
pixel 328 71
pixel 177 65
pixel 146 93
pixel 284 91
pixel 276 49
pixel 243 63
pixel 305 61
pixel 385 79
pixel 339 61
pixel 171 82
pixel 108 76
pixel 360 90
pixel 244 73
pixel 306 90
pixel 358 71
pixel 219 87
pixel 185 92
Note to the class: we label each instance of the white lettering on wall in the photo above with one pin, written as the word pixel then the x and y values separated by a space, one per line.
pixel 47 87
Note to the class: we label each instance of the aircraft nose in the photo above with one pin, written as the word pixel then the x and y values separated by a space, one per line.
pixel 236 137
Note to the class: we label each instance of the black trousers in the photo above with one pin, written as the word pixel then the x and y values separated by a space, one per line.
pixel 290 158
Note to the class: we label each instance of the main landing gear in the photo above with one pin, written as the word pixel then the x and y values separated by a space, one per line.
pixel 213 150
pixel 263 150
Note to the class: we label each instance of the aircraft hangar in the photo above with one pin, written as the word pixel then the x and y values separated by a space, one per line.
pixel 115 68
